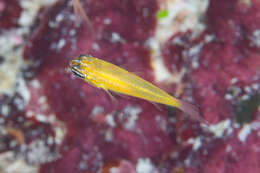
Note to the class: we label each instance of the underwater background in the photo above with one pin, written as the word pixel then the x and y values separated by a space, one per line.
pixel 206 52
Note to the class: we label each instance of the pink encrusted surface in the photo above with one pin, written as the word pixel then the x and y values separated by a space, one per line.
pixel 132 135
pixel 10 12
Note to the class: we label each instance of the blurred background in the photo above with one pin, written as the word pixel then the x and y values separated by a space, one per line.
pixel 206 52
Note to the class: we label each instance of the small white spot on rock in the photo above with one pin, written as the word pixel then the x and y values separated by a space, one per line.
pixel 110 120
pixel 220 128
pixel 228 96
pixel 244 132
pixel 116 38
pixel 196 142
pixel 61 43
pixel 255 39
pixel 107 21
pixel 96 47
pixel 23 90
pixel 144 166
pixel 97 110
pixel 41 118
pixel 59 17
pixel 228 148
pixel 72 32
pixel 35 84
pixel 234 80
pixel 5 110
pixel 113 170
pixel 132 115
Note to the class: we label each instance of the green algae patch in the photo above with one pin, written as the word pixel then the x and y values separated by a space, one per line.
pixel 246 109
pixel 161 14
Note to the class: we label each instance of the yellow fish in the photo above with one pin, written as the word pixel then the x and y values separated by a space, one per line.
pixel 110 77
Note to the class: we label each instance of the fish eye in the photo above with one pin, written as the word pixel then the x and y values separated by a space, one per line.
pixel 82 56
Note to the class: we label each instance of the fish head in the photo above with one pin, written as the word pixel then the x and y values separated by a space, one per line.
pixel 81 66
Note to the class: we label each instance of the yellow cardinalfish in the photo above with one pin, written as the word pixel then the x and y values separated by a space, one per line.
pixel 110 77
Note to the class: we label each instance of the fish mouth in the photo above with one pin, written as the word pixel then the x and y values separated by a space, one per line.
pixel 75 69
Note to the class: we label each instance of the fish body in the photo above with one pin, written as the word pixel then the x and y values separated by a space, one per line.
pixel 110 77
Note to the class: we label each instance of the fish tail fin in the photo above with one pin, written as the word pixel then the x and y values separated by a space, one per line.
pixel 192 111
